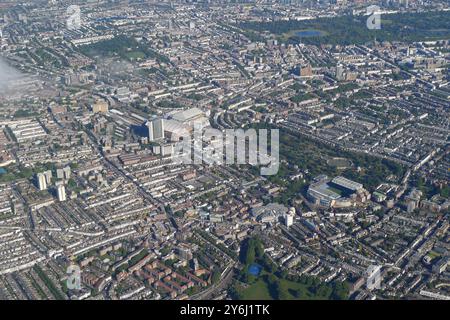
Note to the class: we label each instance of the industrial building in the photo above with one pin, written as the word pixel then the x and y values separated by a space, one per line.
pixel 191 117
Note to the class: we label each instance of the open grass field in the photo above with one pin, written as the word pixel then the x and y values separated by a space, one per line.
pixel 257 291
pixel 260 290
pixel 340 163
pixel 304 33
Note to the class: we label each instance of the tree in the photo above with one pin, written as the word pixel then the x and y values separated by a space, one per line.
pixel 215 276
pixel 282 291
pixel 268 264
pixel 340 290
pixel 323 291
pixel 259 249
pixel 282 274
pixel 445 192
pixel 235 293
pixel 250 255
pixel 300 293
pixel 251 249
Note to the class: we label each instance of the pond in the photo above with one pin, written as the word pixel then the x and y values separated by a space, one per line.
pixel 254 269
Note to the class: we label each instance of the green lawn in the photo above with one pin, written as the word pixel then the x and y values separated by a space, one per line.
pixel 257 291
pixel 294 286
pixel 135 55
pixel 336 190
pixel 273 283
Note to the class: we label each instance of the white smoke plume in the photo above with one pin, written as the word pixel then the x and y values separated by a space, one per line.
pixel 9 77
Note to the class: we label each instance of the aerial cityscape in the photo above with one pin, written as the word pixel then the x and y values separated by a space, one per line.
pixel 224 150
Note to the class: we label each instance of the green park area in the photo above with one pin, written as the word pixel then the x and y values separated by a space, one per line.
pixel 302 153
pixel 122 47
pixel 14 172
pixel 350 29
pixel 269 287
pixel 274 283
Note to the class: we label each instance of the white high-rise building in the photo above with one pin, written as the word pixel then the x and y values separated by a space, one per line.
pixel 61 193
pixel 63 173
pixel 155 129
pixel 288 220
pixel 158 129
pixel 373 274
pixel 41 181
pixel 149 126
pixel 48 176
pixel 67 173
pixel 59 173
pixel 340 72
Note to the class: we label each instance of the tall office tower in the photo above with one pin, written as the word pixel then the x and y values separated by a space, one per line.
pixel 155 129
pixel 41 181
pixel 61 193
